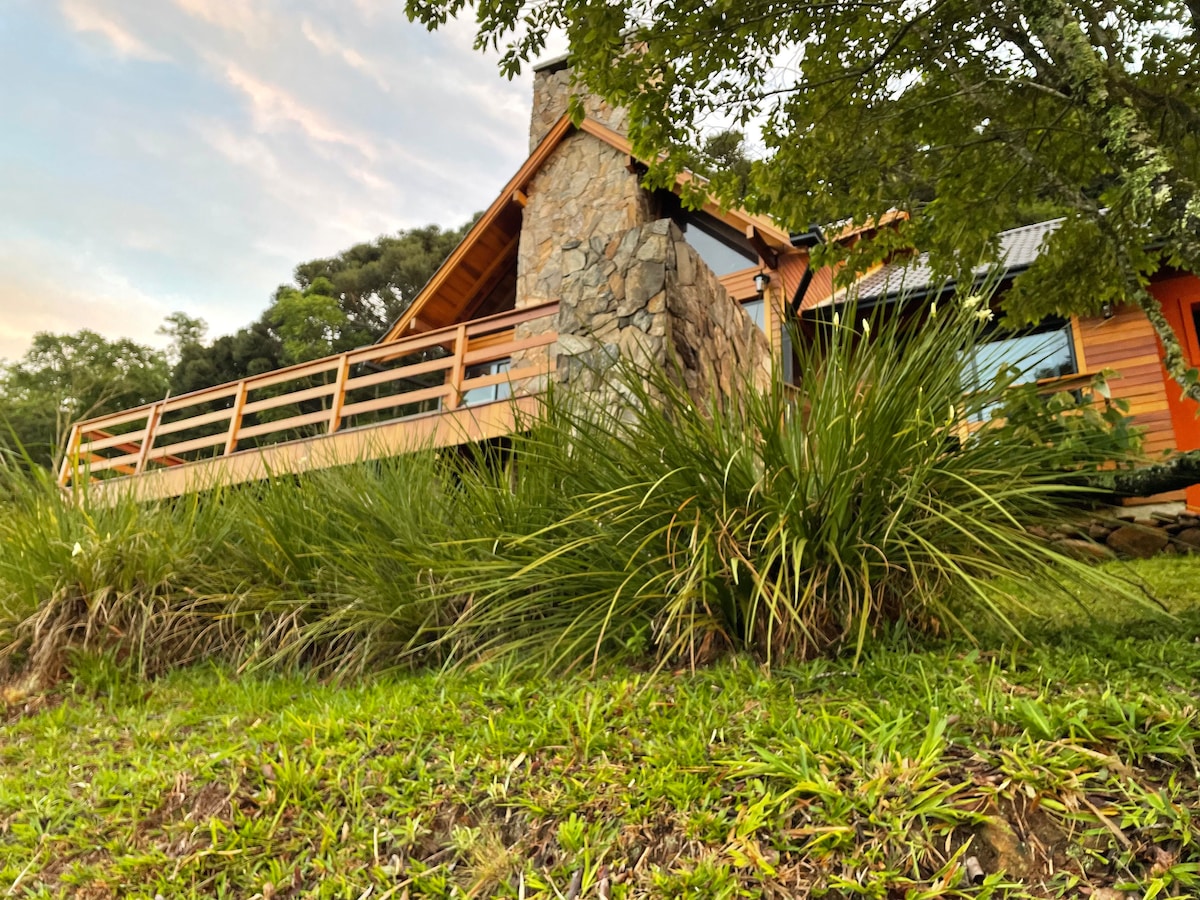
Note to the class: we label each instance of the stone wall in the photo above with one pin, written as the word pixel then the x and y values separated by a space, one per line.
pixel 551 94
pixel 584 191
pixel 646 296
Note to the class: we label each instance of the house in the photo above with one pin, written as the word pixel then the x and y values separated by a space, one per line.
pixel 572 265
pixel 1065 352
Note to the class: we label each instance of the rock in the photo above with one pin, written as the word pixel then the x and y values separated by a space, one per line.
pixel 684 265
pixel 1140 543
pixel 642 283
pixel 1081 549
pixel 574 345
pixel 1098 531
pixel 1190 538
pixel 1012 856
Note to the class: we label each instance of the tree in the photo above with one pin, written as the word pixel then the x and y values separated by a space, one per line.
pixel 67 377
pixel 336 304
pixel 309 323
pixel 961 112
pixel 185 332
pixel 374 282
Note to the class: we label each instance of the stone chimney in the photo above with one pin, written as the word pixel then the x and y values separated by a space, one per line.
pixel 552 90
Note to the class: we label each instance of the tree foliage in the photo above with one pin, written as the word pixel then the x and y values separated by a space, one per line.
pixel 66 377
pixel 964 113
pixel 335 304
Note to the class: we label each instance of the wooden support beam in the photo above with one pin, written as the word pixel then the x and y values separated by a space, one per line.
pixel 520 198
pixel 148 438
pixel 457 369
pixel 768 253
pixel 494 270
pixel 235 419
pixel 70 460
pixel 339 394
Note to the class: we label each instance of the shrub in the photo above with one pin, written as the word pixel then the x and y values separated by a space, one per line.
pixel 786 523
pixel 789 524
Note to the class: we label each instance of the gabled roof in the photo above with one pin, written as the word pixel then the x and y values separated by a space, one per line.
pixel 488 252
pixel 1019 247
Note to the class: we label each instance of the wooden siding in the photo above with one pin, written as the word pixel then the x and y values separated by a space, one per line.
pixel 1126 344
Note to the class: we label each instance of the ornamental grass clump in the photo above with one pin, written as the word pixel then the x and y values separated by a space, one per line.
pixel 784 521
pixel 787 522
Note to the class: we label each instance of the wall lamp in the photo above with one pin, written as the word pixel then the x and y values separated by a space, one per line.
pixel 1107 311
pixel 761 280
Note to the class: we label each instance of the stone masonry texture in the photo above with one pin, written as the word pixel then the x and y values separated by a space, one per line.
pixel 646 296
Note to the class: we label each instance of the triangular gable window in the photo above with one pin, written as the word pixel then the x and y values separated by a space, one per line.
pixel 719 245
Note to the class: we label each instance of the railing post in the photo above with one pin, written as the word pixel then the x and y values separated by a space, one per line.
pixel 235 420
pixel 152 420
pixel 339 393
pixel 70 462
pixel 457 369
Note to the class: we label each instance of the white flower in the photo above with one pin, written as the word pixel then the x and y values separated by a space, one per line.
pixel 933 309
pixel 984 315
pixel 837 320
pixel 76 550
pixel 973 301
pixel 866 327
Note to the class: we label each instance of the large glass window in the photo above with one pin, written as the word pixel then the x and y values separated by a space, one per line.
pixel 721 248
pixel 1044 352
pixel 492 392
pixel 756 309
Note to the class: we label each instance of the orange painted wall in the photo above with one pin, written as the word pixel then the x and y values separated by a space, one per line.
pixel 1178 296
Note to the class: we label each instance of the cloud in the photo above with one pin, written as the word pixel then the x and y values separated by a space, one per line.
pixel 281 131
pixel 241 17
pixel 43 291
pixel 328 45
pixel 272 106
pixel 83 17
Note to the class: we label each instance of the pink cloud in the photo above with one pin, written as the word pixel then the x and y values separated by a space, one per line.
pixel 83 17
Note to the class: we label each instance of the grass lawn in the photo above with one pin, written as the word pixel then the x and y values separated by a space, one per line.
pixel 1008 770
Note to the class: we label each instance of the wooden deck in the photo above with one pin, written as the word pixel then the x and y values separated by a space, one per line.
pixel 431 390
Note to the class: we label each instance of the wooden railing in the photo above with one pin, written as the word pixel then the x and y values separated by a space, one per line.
pixel 370 386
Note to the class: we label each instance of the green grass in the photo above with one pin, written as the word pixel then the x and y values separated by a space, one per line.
pixel 1062 763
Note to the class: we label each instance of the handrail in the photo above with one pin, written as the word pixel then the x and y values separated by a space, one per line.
pixel 137 448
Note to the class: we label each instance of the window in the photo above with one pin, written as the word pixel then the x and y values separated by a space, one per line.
pixel 492 392
pixel 1044 351
pixel 756 309
pixel 721 247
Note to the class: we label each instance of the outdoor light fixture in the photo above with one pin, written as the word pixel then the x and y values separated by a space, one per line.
pixel 761 280
pixel 1107 311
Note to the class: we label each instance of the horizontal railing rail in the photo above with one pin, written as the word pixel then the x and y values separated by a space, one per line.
pixel 369 386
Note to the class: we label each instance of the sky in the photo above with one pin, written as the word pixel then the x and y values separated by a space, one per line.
pixel 163 155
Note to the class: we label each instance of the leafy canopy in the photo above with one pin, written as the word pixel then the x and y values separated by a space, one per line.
pixel 971 115
pixel 336 303
pixel 66 377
